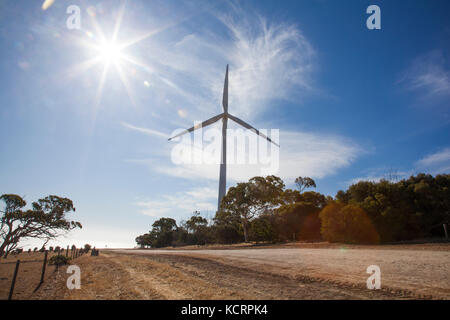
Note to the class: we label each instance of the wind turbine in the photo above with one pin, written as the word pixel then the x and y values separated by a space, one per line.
pixel 224 116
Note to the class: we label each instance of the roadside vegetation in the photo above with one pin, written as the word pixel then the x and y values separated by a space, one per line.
pixel 264 210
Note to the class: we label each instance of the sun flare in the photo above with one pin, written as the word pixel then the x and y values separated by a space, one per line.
pixel 111 53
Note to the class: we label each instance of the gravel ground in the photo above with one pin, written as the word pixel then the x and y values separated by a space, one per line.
pixel 422 273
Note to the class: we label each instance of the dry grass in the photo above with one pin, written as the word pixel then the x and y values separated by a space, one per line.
pixel 266 273
pixel 122 277
pixel 115 276
pixel 28 277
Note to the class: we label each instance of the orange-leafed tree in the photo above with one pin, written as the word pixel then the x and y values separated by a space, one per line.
pixel 347 223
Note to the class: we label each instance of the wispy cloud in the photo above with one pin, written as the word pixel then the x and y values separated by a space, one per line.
pixel 428 74
pixel 435 163
pixel 144 130
pixel 377 174
pixel 268 61
pixel 181 203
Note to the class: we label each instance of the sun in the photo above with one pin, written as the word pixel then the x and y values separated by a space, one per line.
pixel 110 52
pixel 106 50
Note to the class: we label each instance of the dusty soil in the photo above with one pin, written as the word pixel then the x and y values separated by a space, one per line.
pixel 420 272
pixel 267 273
pixel 164 276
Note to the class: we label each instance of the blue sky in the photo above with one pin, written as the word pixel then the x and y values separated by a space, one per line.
pixel 349 103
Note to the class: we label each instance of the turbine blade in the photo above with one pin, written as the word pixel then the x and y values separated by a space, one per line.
pixel 200 125
pixel 225 93
pixel 246 125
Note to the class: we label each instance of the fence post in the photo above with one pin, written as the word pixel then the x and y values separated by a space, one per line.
pixel 43 267
pixel 13 283
pixel 67 251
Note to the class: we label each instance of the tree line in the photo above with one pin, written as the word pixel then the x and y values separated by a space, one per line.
pixel 264 210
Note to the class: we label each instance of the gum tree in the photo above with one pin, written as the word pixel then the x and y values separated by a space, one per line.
pixel 248 200
pixel 46 220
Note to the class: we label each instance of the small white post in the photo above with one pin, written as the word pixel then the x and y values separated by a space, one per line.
pixel 445 230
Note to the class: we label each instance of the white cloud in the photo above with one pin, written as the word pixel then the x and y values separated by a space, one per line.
pixel 180 203
pixel 428 74
pixel 438 162
pixel 300 154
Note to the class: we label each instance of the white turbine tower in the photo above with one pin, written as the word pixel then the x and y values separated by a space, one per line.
pixel 224 116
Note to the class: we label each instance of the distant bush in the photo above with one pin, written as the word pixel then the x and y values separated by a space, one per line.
pixel 262 229
pixel 347 223
pixel 58 260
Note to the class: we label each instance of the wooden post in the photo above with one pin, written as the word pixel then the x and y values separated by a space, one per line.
pixel 13 283
pixel 43 267
pixel 67 251
pixel 445 230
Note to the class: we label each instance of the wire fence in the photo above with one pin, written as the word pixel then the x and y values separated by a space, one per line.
pixel 23 274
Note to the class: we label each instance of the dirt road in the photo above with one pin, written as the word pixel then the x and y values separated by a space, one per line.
pixel 418 273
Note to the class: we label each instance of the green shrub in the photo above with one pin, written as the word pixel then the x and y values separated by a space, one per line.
pixel 59 260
